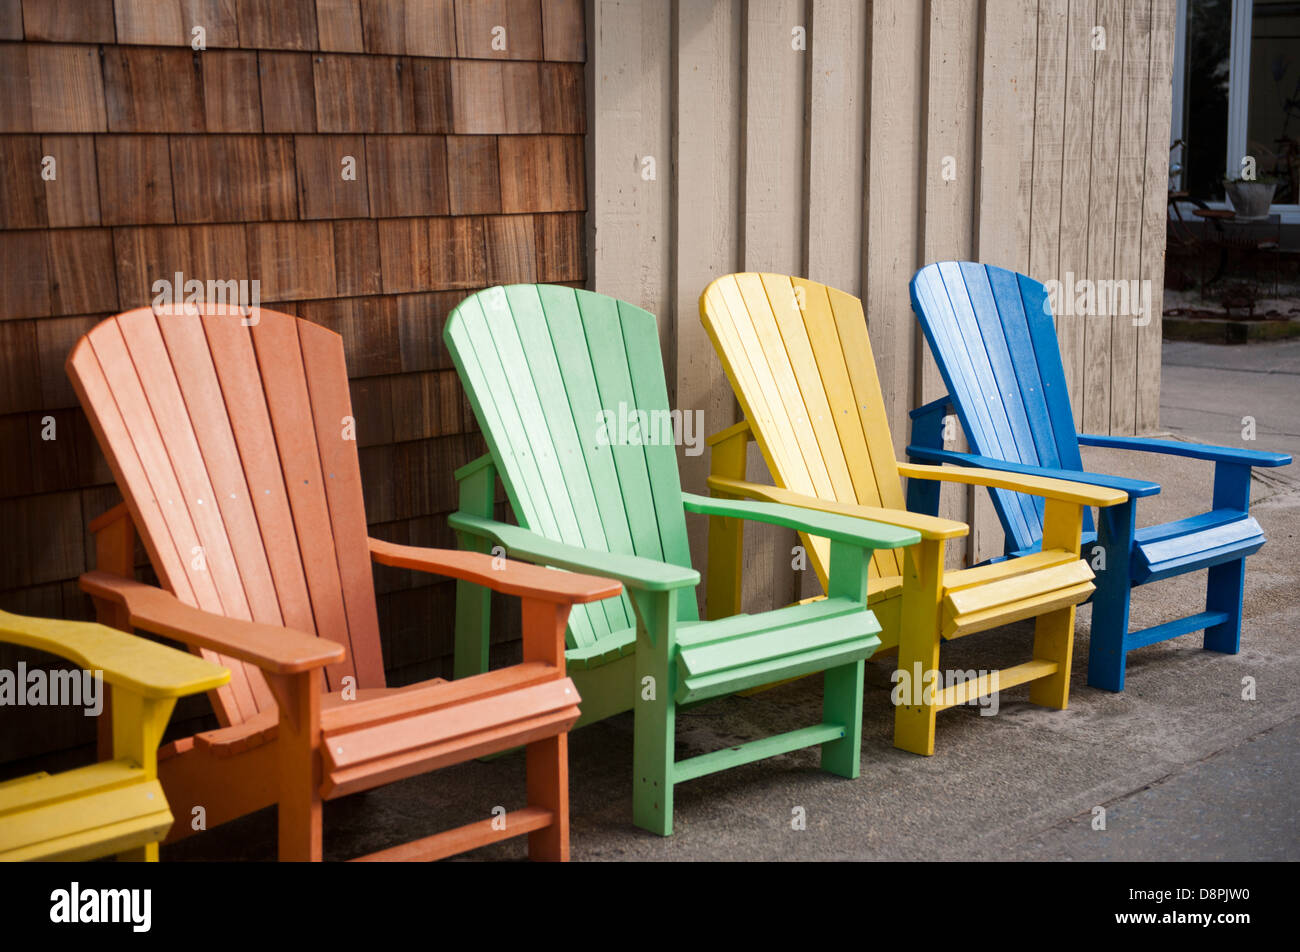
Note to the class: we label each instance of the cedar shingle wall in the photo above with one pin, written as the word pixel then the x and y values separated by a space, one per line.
pixel 226 164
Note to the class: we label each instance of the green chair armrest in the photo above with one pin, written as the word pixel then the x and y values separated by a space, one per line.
pixel 634 571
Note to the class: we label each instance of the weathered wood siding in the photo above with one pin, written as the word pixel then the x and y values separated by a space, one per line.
pixel 854 141
pixel 226 164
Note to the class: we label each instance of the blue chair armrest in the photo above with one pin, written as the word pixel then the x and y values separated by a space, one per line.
pixel 1217 454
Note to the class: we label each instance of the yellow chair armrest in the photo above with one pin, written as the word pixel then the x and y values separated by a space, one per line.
pixel 1062 489
pixel 136 664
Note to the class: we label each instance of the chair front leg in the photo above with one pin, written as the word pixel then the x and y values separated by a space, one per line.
pixel 137 729
pixel 654 711
pixel 298 741
pixel 1225 586
pixel 918 648
pixel 547 760
pixel 1107 657
pixel 1054 630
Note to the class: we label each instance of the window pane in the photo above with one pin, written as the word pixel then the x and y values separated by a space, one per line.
pixel 1273 124
pixel 1209 39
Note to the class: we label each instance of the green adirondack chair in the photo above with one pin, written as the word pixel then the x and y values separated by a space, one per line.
pixel 553 375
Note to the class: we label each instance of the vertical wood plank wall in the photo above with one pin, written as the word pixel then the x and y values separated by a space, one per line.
pixel 812 136
pixel 225 164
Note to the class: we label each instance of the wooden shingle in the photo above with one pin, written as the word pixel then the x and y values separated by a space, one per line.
pixel 233 178
pixel 430 81
pixel 20 385
pixel 473 175
pixel 152 90
pixel 368 326
pixel 372 408
pixel 561 247
pixel 53 461
pixel 135 180
pixel 15 94
pixel 478 98
pixel 563 98
pixel 564 31
pixel 338 26
pixel 419 254
pixel 499 29
pixel 43 539
pixel 521 91
pixel 288 92
pixel 420 320
pixel 201 252
pixel 16 465
pixel 56 21
pixel 67 88
pixel 82 271
pixel 408 175
pixel 172 22
pixel 55 338
pixel 22 192
pixel 323 192
pixel 542 174
pixel 511 249
pixel 362 94
pixel 231 94
pixel 11 20
pixel 356 257
pixel 293 260
pixel 25 290
pixel 277 24
pixel 411 27
pixel 72 196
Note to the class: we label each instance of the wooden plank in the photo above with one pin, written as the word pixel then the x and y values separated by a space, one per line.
pixel 1005 168
pixel 25 292
pixel 152 90
pixel 499 29
pixel 22 192
pixel 707 60
pixel 231 94
pixel 288 92
pixel 478 98
pixel 338 26
pixel 542 174
pixel 629 163
pixel 277 24
pixel 836 117
pixel 233 178
pixel 53 21
pixel 1130 213
pixel 67 88
pixel 413 27
pixel 431 91
pixel 891 249
pixel 511 255
pixel 200 252
pixel 522 97
pixel 473 175
pixel 1049 138
pixel 82 278
pixel 135 180
pixel 323 191
pixel 564 35
pixel 293 260
pixel 362 94
pixel 407 175
pixel 1159 107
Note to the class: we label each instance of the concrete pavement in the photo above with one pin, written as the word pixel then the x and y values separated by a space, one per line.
pixel 1185 764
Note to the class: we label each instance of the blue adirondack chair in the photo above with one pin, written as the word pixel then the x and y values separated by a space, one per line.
pixel 991 333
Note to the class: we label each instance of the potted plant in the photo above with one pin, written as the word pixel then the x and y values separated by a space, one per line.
pixel 1250 199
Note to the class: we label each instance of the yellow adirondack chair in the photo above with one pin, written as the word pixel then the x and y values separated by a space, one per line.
pixel 797 355
pixel 115 806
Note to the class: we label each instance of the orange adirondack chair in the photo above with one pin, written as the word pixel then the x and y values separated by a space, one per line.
pixel 229 438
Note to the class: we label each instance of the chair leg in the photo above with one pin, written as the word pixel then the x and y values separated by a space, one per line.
pixel 914 719
pixel 1054 641
pixel 652 744
pixel 548 786
pixel 842 704
pixel 1107 656
pixel 1224 591
pixel 298 739
pixel 140 854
